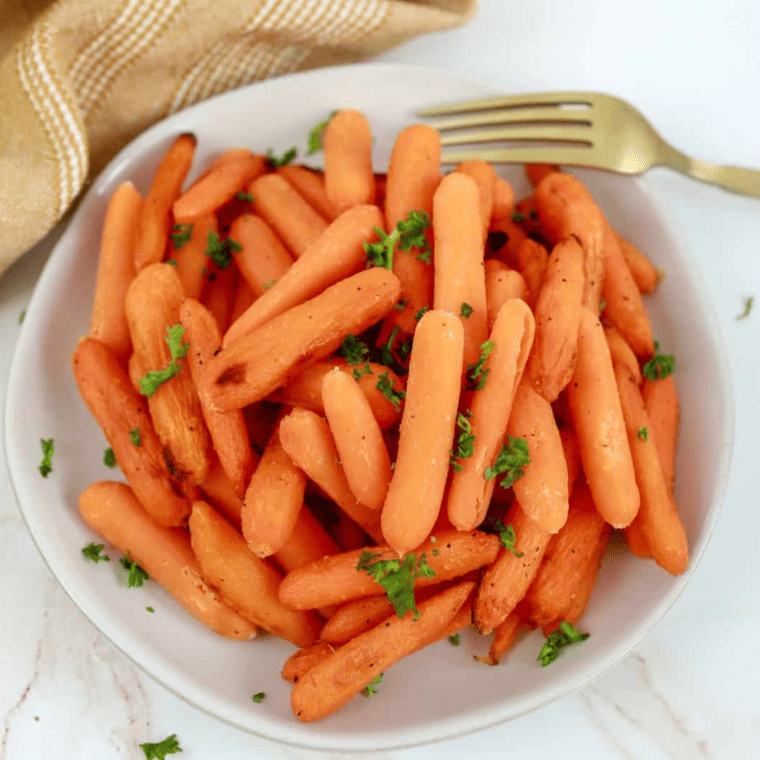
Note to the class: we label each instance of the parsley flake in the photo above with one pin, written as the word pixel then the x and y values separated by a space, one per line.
pixel 386 352
pixel 137 576
pixel 506 534
pixel 476 375
pixel 109 458
pixel 181 234
pixel 21 316
pixel 408 233
pixel 160 750
pixel 244 196
pixel 150 382
pixel 316 135
pixel 557 640
pixel 354 351
pixel 48 449
pixel 465 310
pixel 465 441
pixel 642 434
pixel 421 313
pixel 93 553
pixel 371 688
pixel 171 262
pixel 659 366
pixel 510 460
pixel 134 437
pixel 385 386
pixel 221 250
pixel 149 609
pixel 397 578
pixel 359 371
pixel 517 217
pixel 748 303
pixel 401 305
pixel 455 640
pixel 287 157
pixel 269 284
pixel 258 697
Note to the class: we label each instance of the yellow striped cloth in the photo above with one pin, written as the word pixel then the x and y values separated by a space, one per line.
pixel 80 78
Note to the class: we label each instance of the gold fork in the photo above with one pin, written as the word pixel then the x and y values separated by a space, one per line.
pixel 575 129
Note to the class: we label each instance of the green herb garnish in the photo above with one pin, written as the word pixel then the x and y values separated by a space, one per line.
pixel 642 434
pixel 181 234
pixel 134 437
pixel 137 576
pixel 244 196
pixel 109 458
pixel 258 697
pixel 48 449
pixel 748 303
pixel 220 250
pixel 564 635
pixel 510 460
pixel 160 750
pixel 659 366
pixel 465 310
pixel 316 135
pixel 465 440
pixel 93 553
pixel 385 386
pixel 421 313
pixel 371 688
pixel 397 578
pixel 408 233
pixel 287 157
pixel 476 375
pixel 150 382
pixel 455 640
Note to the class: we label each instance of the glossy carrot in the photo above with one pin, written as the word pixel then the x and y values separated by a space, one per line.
pixel 536 172
pixel 505 238
pixel 643 271
pixel 347 142
pixel 155 218
pixel 116 269
pixel 219 294
pixel 310 184
pixel 661 400
pixel 597 418
pixel 505 636
pixel 502 286
pixel 485 178
pixel 503 201
pixel 572 453
pixel 308 541
pixel 532 260
pixel 244 297
pixel 621 352
pixel 115 514
pixel 192 261
pixel 427 429
pixel 303 660
pixel 220 492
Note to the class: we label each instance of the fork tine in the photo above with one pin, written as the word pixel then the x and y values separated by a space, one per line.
pixel 512 101
pixel 564 156
pixel 512 116
pixel 558 132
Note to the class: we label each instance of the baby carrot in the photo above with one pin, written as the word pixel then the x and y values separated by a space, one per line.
pixel 643 271
pixel 221 493
pixel 303 660
pixel 503 201
pixel 661 399
pixel 155 218
pixel 192 261
pixel 114 513
pixel 244 297
pixel 307 440
pixel 504 241
pixel 427 428
pixel 347 142
pixel 263 259
pixel 296 223
pixel 216 187
pixel 658 517
pixel 310 184
pixel 358 438
pixel 218 294
pixel 120 411
pixel 308 541
pixel 470 490
pixel 246 583
pixel 502 286
pixel 598 421
pixel 251 368
pixel 621 352
pixel 485 178
pixel 572 453
pixel 532 260
pixel 116 269
pixel 558 314
pixel 335 255
pixel 536 172
pixel 227 429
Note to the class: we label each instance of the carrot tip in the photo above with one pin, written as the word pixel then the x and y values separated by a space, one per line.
pixel 190 136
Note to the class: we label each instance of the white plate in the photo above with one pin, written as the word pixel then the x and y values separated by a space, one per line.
pixel 439 692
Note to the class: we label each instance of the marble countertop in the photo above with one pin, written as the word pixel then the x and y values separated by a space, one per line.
pixel 689 690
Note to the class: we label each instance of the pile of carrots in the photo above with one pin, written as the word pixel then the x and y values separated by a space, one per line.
pixel 266 462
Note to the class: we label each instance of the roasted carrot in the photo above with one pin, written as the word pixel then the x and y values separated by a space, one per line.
pixel 598 421
pixel 621 352
pixel 244 297
pixel 305 389
pixel 303 660
pixel 571 555
pixel 506 581
pixel 565 208
pixel 216 187
pixel 470 490
pixel 153 303
pixel 192 261
pixel 637 541
pixel 119 411
pixel 532 260
pixel 307 440
pixel 227 429
pixel 413 176
pixel 335 255
pixel 658 517
pixel 252 367
pixel 485 178
pixel 536 172
pixel 558 314
pixel 308 541
pixel 155 218
pixel 221 493
pixel 643 271
pixel 335 580
pixel 502 286
pixel 347 143
pixel 427 428
pixel 116 269
pixel 246 583
pixel 543 490
pixel 263 259
pixel 273 500
pixel 219 294
pixel 358 438
pixel 231 155
pixel 115 514
pixel 503 201
pixel 296 223
pixel 459 274
pixel 505 635
pixel 624 307
pixel 310 184
pixel 661 400
pixel 572 454
pixel 333 682
pixel 493 266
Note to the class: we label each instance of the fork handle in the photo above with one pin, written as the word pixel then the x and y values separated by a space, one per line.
pixel 733 178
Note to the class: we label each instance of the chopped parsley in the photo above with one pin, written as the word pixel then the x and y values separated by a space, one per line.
pixel 386 352
pixel 109 458
pixel 160 750
pixel 401 305
pixel 137 576
pixel 180 234
pixel 748 303
pixel 150 382
pixel 397 578
pixel 465 310
pixel 371 688
pixel 476 374
pixel 465 441
pixel 510 460
pixel 21 316
pixel 421 313
pixel 269 284
pixel 48 449
pixel 134 437
pixel 172 262
pixel 93 552
pixel 517 217
pixel 287 157
pixel 244 196
pixel 354 351
pixel 602 305
pixel 221 250
pixel 642 434
pixel 408 233
pixel 506 534
pixel 149 609
pixel 258 697
pixel 385 386
pixel 316 134
pixel 455 640
pixel 359 371
pixel 564 635
pixel 659 366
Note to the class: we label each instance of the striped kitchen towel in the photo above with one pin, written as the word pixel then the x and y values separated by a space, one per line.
pixel 81 78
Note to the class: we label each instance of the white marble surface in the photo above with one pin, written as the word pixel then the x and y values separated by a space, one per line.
pixel 690 689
